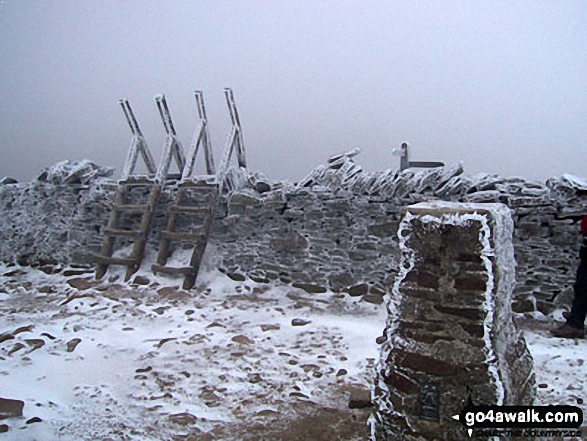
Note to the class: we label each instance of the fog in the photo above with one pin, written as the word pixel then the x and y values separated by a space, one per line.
pixel 500 86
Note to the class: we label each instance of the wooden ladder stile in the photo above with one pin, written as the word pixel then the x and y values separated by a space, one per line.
pixel 212 183
pixel 153 183
pixel 205 212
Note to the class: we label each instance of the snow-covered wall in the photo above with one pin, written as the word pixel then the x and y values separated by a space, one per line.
pixel 335 229
pixel 450 335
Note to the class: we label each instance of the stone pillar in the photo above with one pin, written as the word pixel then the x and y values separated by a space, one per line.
pixel 450 332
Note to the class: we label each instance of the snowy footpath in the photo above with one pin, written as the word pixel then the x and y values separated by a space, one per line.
pixel 229 360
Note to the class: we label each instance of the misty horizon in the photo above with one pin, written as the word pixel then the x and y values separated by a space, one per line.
pixel 499 86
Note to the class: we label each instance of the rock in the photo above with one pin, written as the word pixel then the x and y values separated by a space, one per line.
pixel 81 283
pixel 289 242
pixel 242 339
pixel 77 272
pixel 237 277
pixel 380 340
pixel 358 290
pixel 74 172
pixel 376 299
pixel 141 280
pixel 215 325
pixel 300 322
pixel 309 287
pixel 36 343
pixel 165 340
pixel 22 329
pixel 341 372
pixel 4 428
pixel 143 370
pixel 10 408
pixel 360 398
pixel 524 305
pixel 266 328
pixel 15 272
pixel 183 419
pixel 170 292
pixel 254 378
pixel 50 269
pixel 262 187
pixel 34 420
pixel 267 413
pixel 7 181
pixel 160 310
pixel 72 344
pixel 298 395
pixel 17 347
pixel 4 337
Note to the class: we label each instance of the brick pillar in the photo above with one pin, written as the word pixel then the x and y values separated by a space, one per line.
pixel 450 330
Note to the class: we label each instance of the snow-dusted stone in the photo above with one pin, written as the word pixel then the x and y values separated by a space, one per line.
pixel 10 408
pixel 8 180
pixel 450 330
pixel 72 344
pixel 74 172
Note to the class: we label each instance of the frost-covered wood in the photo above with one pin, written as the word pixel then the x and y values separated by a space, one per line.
pixel 138 145
pixel 201 139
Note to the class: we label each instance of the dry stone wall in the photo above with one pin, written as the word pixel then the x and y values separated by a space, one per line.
pixel 336 229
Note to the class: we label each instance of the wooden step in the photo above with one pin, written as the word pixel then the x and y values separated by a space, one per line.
pixel 123 233
pixel 172 270
pixel 176 235
pixel 115 260
pixel 137 181
pixel 190 209
pixel 199 185
pixel 142 207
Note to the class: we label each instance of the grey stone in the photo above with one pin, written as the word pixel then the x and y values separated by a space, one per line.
pixel 376 299
pixel 242 339
pixel 270 327
pixel 10 408
pixel 360 398
pixel 183 419
pixel 82 284
pixel 7 181
pixel 72 344
pixel 141 280
pixel 358 290
pixel 300 322
pixel 309 287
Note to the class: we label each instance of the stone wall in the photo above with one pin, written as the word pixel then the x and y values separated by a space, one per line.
pixel 450 336
pixel 336 229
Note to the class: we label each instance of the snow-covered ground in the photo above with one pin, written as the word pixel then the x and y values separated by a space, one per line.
pixel 227 361
pixel 157 363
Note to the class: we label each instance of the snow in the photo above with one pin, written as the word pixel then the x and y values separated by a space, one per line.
pixel 144 356
pixel 225 352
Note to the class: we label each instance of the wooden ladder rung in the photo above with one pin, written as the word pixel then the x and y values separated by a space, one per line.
pixel 126 207
pixel 172 269
pixel 175 235
pixel 187 209
pixel 123 233
pixel 132 182
pixel 115 260
pixel 199 185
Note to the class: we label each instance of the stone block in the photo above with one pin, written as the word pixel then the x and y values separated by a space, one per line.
pixel 453 314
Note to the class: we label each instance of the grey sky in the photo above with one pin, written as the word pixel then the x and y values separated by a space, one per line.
pixel 499 85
